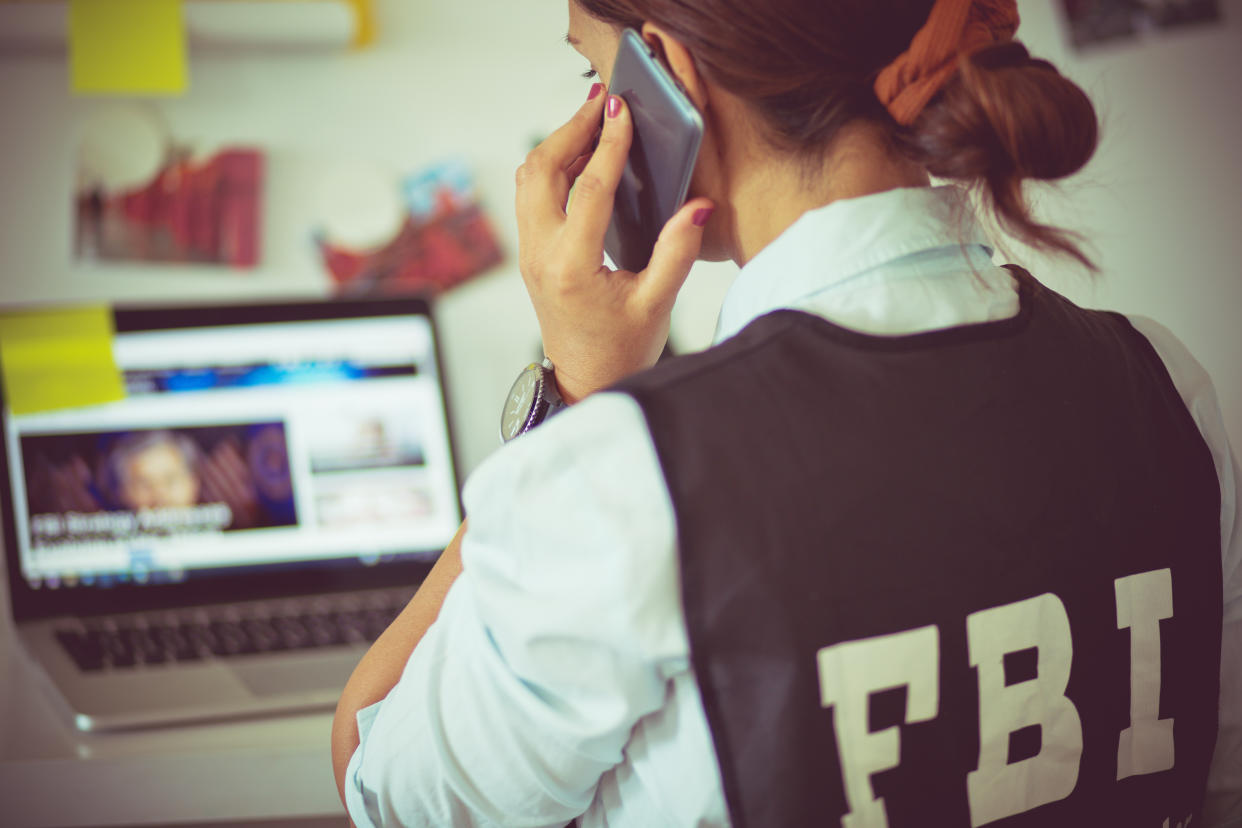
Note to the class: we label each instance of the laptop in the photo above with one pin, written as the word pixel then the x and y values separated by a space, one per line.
pixel 229 538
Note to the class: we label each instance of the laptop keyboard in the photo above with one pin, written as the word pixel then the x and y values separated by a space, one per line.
pixel 123 642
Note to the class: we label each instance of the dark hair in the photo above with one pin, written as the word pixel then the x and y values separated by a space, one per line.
pixel 809 68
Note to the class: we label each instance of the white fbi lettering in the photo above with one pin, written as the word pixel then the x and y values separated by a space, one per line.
pixel 850 672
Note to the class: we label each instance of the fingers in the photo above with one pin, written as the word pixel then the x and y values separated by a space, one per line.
pixel 596 187
pixel 675 252
pixel 575 136
pixel 544 179
pixel 576 168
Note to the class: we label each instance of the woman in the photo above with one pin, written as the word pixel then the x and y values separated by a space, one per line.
pixel 917 542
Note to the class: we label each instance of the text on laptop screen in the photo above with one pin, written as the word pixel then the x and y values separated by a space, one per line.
pixel 241 446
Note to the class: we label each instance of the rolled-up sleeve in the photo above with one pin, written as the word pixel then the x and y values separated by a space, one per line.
pixel 359 802
pixel 559 636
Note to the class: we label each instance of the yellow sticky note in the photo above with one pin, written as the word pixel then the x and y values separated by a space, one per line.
pixel 54 358
pixel 364 22
pixel 127 47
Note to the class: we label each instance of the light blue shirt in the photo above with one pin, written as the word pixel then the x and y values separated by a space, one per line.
pixel 556 681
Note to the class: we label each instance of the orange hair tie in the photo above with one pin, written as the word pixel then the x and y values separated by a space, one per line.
pixel 953 29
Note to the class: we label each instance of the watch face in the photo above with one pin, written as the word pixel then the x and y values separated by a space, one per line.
pixel 519 403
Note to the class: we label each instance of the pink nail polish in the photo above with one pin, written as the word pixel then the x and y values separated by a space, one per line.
pixel 614 106
pixel 702 215
pixel 596 88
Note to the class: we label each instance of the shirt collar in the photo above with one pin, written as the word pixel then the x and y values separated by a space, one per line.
pixel 828 246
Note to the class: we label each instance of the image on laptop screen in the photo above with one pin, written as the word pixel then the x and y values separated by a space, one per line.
pixel 241 448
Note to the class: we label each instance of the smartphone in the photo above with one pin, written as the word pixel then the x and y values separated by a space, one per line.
pixel 667 133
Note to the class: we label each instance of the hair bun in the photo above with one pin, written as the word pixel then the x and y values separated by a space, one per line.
pixel 1043 121
pixel 1008 53
pixel 1004 118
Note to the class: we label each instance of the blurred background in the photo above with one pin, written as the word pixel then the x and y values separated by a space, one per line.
pixel 477 82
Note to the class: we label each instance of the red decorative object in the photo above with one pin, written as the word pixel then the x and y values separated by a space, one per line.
pixel 206 212
pixel 445 239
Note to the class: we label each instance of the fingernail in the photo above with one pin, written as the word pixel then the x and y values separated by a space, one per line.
pixel 614 106
pixel 596 88
pixel 702 215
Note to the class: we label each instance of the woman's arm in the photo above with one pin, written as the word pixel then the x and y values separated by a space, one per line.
pixel 597 325
pixel 382 665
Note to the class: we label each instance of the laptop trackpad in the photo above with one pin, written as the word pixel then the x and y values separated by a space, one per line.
pixel 297 675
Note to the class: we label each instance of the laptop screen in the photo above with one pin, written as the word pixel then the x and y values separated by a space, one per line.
pixel 244 446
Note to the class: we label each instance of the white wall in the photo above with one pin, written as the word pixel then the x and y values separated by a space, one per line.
pixel 483 78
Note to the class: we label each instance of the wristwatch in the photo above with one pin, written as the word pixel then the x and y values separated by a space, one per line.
pixel 532 400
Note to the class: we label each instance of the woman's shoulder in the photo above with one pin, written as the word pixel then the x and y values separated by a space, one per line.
pixel 571 517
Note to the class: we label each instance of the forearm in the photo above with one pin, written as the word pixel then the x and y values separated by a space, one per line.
pixel 381 667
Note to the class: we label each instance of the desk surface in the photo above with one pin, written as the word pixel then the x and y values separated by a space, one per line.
pixel 53 775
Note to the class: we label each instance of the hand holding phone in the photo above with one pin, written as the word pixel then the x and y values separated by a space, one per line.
pixel 598 325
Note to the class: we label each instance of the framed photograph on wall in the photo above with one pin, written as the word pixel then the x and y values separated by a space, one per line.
pixel 1095 22
pixel 142 196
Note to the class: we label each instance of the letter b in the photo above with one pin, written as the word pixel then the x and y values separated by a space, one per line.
pixel 999 789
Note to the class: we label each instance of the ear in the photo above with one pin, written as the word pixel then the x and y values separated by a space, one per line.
pixel 679 61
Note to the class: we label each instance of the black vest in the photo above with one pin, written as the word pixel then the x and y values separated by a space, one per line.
pixel 974 574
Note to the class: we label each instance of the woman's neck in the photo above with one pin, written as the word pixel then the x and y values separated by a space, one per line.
pixel 768 194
